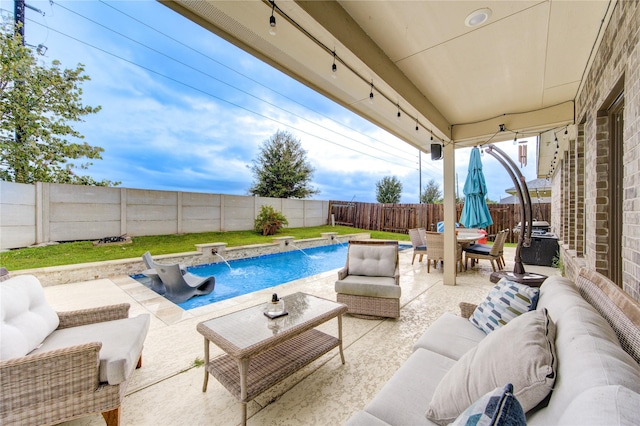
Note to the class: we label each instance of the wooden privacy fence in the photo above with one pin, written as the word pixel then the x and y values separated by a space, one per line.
pixel 402 217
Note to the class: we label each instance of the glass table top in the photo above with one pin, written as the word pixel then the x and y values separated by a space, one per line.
pixel 250 326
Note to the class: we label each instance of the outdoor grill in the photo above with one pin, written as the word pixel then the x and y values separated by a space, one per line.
pixel 539 227
pixel 544 245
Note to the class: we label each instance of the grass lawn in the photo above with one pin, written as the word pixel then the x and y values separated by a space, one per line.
pixel 84 251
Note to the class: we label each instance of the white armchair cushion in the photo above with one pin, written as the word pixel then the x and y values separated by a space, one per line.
pixel 373 261
pixel 121 340
pixel 25 317
pixel 358 285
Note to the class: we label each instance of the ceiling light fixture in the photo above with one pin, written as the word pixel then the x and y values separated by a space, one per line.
pixel 272 20
pixel 371 94
pixel 334 68
pixel 399 112
pixel 416 124
pixel 477 17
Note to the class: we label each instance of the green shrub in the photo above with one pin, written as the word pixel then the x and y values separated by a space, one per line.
pixel 269 221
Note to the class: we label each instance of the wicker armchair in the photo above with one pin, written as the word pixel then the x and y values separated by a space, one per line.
pixel 369 283
pixel 82 366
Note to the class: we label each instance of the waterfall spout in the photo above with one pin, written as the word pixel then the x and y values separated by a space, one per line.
pixel 298 248
pixel 223 259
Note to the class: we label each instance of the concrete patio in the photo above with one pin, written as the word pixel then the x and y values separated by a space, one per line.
pixel 167 389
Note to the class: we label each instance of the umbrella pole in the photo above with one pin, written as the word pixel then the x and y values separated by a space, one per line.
pixel 524 238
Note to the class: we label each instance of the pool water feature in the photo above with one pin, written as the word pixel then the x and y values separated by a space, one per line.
pixel 243 276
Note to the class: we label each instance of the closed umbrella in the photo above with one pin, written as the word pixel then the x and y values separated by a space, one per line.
pixel 475 213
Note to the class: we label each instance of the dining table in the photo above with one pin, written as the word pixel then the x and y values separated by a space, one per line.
pixel 466 238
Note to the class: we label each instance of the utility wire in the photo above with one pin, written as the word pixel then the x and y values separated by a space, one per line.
pixel 241 74
pixel 219 98
pixel 427 165
pixel 223 82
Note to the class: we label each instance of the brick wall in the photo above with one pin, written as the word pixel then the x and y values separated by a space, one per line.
pixel 615 67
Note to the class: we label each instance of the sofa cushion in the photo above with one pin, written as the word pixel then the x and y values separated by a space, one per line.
pixel 615 404
pixel 496 408
pixel 121 339
pixel 521 353
pixel 362 418
pixel 402 400
pixel 358 285
pixel 450 335
pixel 504 302
pixel 26 318
pixel 589 354
pixel 373 260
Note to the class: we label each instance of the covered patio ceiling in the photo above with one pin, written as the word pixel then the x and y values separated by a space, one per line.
pixel 523 67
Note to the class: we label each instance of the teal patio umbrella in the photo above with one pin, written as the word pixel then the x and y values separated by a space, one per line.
pixel 475 213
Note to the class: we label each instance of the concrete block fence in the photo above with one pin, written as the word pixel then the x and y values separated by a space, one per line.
pixel 46 212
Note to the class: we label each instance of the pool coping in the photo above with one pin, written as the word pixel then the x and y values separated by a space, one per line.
pixel 207 253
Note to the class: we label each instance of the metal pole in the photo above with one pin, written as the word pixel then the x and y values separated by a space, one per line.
pixel 18 14
pixel 518 267
pixel 420 177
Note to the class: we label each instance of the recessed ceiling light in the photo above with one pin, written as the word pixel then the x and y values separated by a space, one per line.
pixel 478 17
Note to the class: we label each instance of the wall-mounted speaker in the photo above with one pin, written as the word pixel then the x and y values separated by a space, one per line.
pixel 436 151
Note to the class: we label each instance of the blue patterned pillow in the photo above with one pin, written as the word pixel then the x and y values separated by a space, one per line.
pixel 497 408
pixel 505 301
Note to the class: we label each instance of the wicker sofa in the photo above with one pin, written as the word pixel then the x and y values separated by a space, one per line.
pixel 595 347
pixel 57 366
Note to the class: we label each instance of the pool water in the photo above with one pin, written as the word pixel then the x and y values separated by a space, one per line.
pixel 244 276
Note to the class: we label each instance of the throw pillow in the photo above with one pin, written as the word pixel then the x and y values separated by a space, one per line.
pixel 505 301
pixel 496 408
pixel 521 353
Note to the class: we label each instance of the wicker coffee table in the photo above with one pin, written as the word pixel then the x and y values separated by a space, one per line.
pixel 260 351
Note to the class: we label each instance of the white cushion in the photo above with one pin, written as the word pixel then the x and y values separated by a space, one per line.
pixel 521 353
pixel 373 260
pixel 588 350
pixel 121 339
pixel 25 317
pixel 450 335
pixel 604 405
pixel 403 399
pixel 359 285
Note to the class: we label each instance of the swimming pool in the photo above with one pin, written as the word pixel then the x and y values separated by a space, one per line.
pixel 244 276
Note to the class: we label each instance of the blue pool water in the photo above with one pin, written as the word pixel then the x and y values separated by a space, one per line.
pixel 256 273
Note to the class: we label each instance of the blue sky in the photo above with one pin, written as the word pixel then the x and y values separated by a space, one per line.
pixel 185 110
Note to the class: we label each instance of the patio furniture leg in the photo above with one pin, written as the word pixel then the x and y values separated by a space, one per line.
pixel 206 361
pixel 112 417
pixel 340 337
pixel 243 366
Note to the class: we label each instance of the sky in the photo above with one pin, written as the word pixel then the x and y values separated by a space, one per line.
pixel 184 110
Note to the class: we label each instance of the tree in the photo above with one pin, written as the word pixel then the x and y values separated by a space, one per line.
pixel 281 170
pixel 36 106
pixel 388 190
pixel 432 193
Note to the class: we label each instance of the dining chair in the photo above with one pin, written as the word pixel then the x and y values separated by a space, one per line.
pixel 418 243
pixel 435 250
